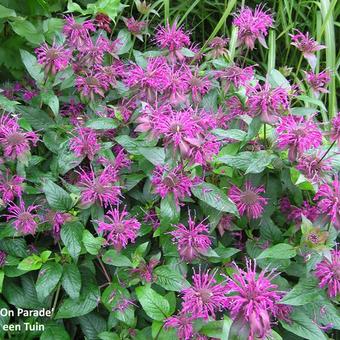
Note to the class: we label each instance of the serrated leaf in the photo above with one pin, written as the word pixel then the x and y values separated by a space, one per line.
pixel 72 234
pixel 102 123
pixel 48 278
pixel 214 197
pixel 71 280
pixel 6 12
pixel 32 262
pixel 54 332
pixel 92 244
pixel 279 251
pixel 154 155
pixel 170 211
pixel 236 134
pixel 32 66
pixel 169 279
pixel 114 258
pixel 56 196
pixel 154 304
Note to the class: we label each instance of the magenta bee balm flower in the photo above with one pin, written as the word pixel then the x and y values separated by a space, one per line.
pixel 183 323
pixel 328 273
pixel 328 198
pixel 77 33
pixel 318 82
pixel 253 299
pixel 298 135
pixel 24 220
pixel 192 240
pixel 175 181
pixel 252 25
pixel 249 201
pixel 307 45
pixel 85 143
pixel 335 130
pixel 55 58
pixel 118 230
pixel 14 141
pixel 99 188
pixel 10 186
pixel 205 297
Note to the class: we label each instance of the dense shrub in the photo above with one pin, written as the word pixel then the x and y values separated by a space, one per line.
pixel 155 186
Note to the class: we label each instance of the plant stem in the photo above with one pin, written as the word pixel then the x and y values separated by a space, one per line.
pixel 104 270
pixel 326 152
pixel 56 299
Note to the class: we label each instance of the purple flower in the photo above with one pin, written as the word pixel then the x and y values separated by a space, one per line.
pixel 183 323
pixel 85 143
pixel 307 46
pixel 118 230
pixel 151 217
pixel 175 181
pixel 318 82
pixel 91 54
pixel 145 270
pixel 254 300
pixel 192 240
pixel 103 22
pixel 252 25
pixel 150 81
pixel 198 85
pixel 92 83
pixel 77 34
pixel 224 224
pixel 100 188
pixel 298 135
pixel 267 102
pixel 235 75
pixel 335 130
pixel 204 297
pixel 328 273
pixel 74 111
pixel 24 219
pixel 328 198
pixel 10 186
pixel 135 27
pixel 307 210
pixel 249 201
pixel 57 219
pixel 15 142
pixel 3 257
pixel 172 38
pixel 218 47
pixel 313 167
pixel 55 58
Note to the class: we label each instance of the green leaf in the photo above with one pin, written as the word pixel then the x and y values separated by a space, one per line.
pixel 72 234
pixel 108 336
pixel 32 262
pixel 258 164
pixel 214 197
pixel 87 302
pixel 108 7
pixel 54 332
pixel 304 292
pixel 279 251
pixel 8 105
pixel 236 134
pixel 71 280
pixel 26 29
pixel 154 155
pixel 56 196
pixel 67 160
pixel 32 66
pixel 277 79
pixel 92 244
pixel 170 279
pixel 48 278
pixel 114 258
pixel 313 101
pixel 125 43
pixel 52 101
pixel 14 247
pixel 170 212
pixel 38 119
pixel 2 276
pixel 6 12
pixel 154 304
pixel 102 123
pixel 303 326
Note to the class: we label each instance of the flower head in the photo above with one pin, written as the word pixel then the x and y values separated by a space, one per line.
pixel 192 240
pixel 74 111
pixel 298 135
pixel 267 102
pixel 236 75
pixel 218 47
pixel 253 25
pixel 253 299
pixel 328 198
pixel 335 130
pixel 77 33
pixel 25 221
pixel 328 273
pixel 118 229
pixel 318 82
pixel 183 323
pixel 135 27
pixel 85 143
pixel 92 83
pixel 307 45
pixel 103 22
pixel 54 58
pixel 249 201
pixel 175 181
pixel 145 270
pixel 57 219
pixel 10 186
pixel 307 210
pixel 172 38
pixel 14 141
pixel 3 257
pixel 100 188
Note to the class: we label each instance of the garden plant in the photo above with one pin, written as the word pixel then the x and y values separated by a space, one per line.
pixel 169 170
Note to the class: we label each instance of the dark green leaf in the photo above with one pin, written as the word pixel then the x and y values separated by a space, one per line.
pixel 170 279
pixel 71 280
pixel 279 251
pixel 114 258
pixel 48 278
pixel 56 196
pixel 72 234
